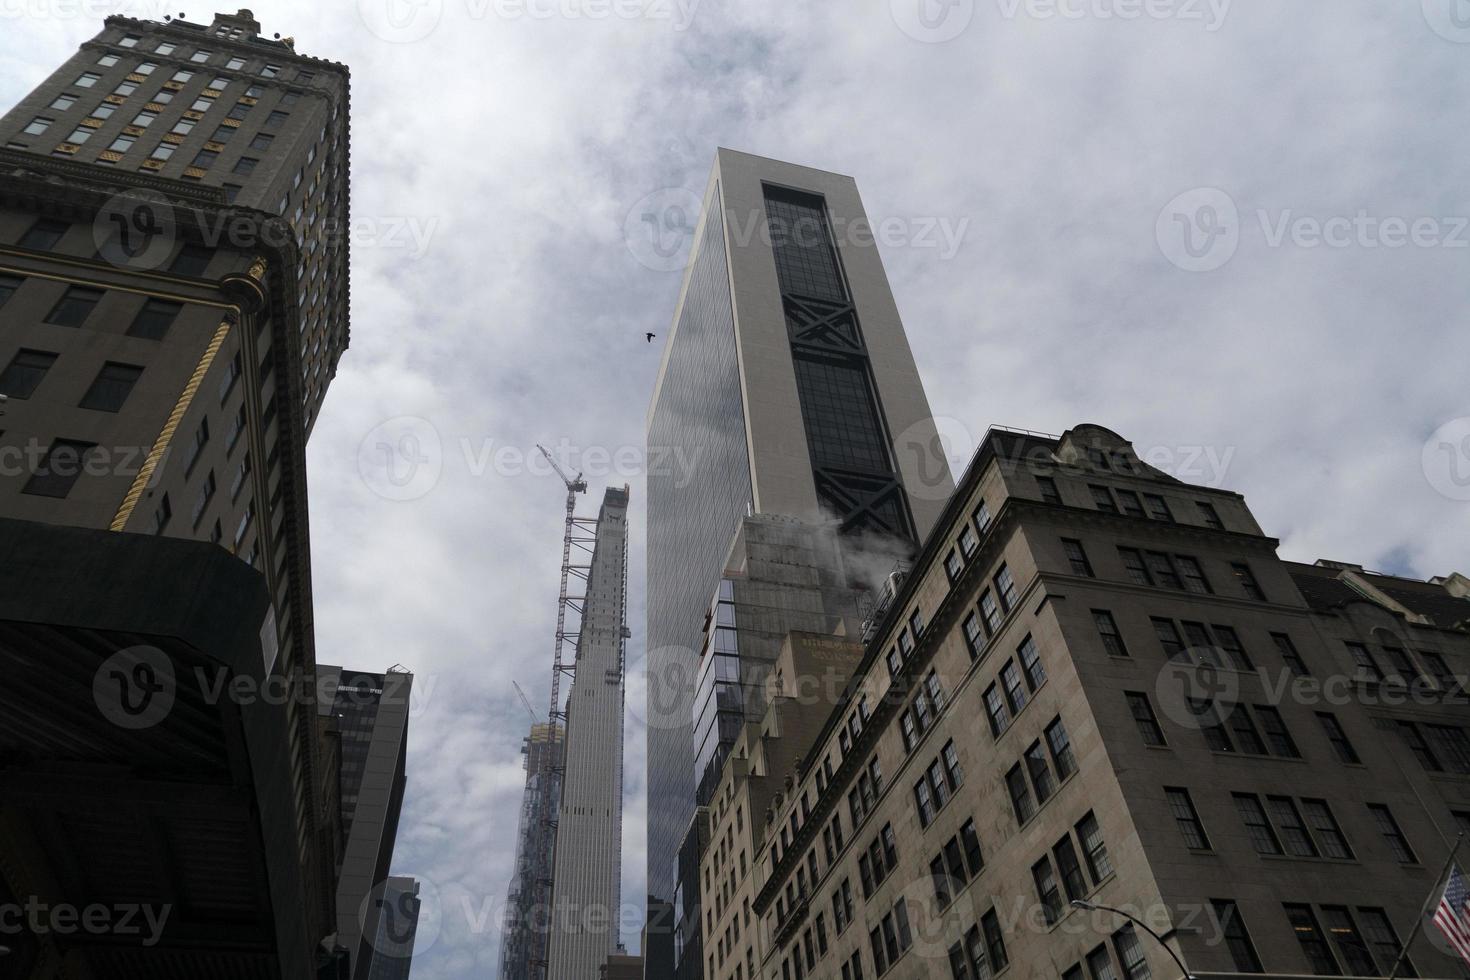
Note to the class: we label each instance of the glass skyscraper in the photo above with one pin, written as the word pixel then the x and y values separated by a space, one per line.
pixel 787 387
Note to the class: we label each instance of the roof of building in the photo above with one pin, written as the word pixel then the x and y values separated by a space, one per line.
pixel 1327 587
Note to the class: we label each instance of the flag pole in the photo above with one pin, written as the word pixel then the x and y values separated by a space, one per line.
pixel 1434 895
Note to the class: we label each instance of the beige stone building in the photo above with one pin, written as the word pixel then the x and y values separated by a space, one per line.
pixel 1102 685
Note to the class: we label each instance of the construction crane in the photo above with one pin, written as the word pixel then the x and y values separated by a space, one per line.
pixel 526 701
pixel 580 534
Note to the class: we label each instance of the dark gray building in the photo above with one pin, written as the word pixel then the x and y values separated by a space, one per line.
pixel 524 939
pixel 788 386
pixel 173 301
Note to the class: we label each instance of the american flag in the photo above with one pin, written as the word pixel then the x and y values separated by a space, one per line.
pixel 1453 915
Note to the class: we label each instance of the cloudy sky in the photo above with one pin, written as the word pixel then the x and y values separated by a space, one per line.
pixel 1233 232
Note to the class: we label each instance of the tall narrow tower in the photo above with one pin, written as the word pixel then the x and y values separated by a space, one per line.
pixel 788 387
pixel 586 890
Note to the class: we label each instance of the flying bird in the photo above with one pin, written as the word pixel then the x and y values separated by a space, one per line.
pixel 651 336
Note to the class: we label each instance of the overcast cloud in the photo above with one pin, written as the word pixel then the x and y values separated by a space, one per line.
pixel 502 149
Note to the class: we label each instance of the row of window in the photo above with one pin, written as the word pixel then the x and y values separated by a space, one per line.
pixel 1007 696
pixel 202 56
pixel 1041 771
pixel 107 393
pixel 1060 870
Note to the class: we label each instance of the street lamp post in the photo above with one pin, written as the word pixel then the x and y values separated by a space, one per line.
pixel 1094 906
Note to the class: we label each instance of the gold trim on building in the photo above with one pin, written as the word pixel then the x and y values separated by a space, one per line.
pixel 67 148
pixel 232 123
pixel 135 77
pixel 170 426
pixel 152 164
pixel 114 99
pixel 173 86
pixel 111 156
pixel 173 137
pixel 212 145
pixel 247 100
pixel 133 130
pixel 257 269
pixel 91 123
pixel 153 106
pixel 192 114
pixel 211 93
pixel 194 171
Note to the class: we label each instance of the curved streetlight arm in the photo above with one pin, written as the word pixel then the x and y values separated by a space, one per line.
pixel 1183 970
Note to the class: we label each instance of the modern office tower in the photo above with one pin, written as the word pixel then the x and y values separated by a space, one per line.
pixel 1101 685
pixel 173 296
pixel 372 712
pixel 524 935
pixel 787 387
pixel 397 930
pixel 586 890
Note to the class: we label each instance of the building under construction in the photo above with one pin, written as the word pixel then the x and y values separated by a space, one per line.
pixel 523 939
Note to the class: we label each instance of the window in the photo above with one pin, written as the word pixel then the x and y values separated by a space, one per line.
pixel 205 158
pixel 990 610
pixel 1324 825
pixel 1186 817
pixel 270 71
pixel 969 544
pixel 1247 580
pixel 1194 575
pixel 1383 940
pixel 1289 655
pixel 1293 831
pixel 1335 734
pixel 146 68
pixel 103 111
pixel 994 941
pixel 925 802
pixel 112 386
pixel 1137 571
pixel 242 473
pixel 80 135
pixel 206 493
pixel 64 102
pixel 122 144
pixel 1309 935
pixel 162 151
pixel 222 134
pixel 1349 942
pixel 1107 629
pixel 1047 890
pixel 1089 833
pixel 154 319
pixel 1163 570
pixel 1158 508
pixel 916 624
pixel 1452 746
pixel 1169 640
pixel 261 141
pixel 25 372
pixel 974 636
pixel 1010 679
pixel 1130 954
pixel 1041 777
pixel 245 165
pixel 182 75
pixel 74 306
pixel 1048 488
pixel 1277 736
pixel 291 96
pixel 235 64
pixel 1102 499
pixel 1237 937
pixel 144 118
pixel 995 710
pixel 1021 802
pixel 275 120
pixel 1210 516
pixel 1417 745
pixel 1100 964
pixel 238 111
pixel 163 96
pixel 1069 869
pixel 8 286
pixel 129 41
pixel 37 126
pixel 44 234
pixel 57 473
pixel 201 56
pixel 1129 502
pixel 1389 827
pixel 1005 587
pixel 1246 735
pixel 201 438
pixel 1143 716
pixel 981 517
pixel 953 566
pixel 165 48
pixel 970 841
pixel 1060 747
pixel 183 127
pixel 1031 662
pixel 1076 557
pixel 87 79
pixel 1262 834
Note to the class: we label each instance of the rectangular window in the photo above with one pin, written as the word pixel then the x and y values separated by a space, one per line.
pixel 1247 580
pixel 1289 655
pixel 1047 890
pixel 970 840
pixel 1169 639
pixel 1100 965
pixel 64 101
pixel 1293 831
pixel 1278 738
pixel 1034 672
pixel 154 319
pixel 1041 777
pixel 1162 569
pixel 37 126
pixel 1383 940
pixel 981 517
pixel 1245 732
pixel 74 306
pixel 25 372
pixel 1102 499
pixel 1060 747
pixel 111 387
pixel 1262 835
pixel 1010 679
pixel 1210 516
pixel 1129 502
pixel 1069 868
pixel 924 801
pixel 1143 716
pixel 1335 734
pixel 58 472
pixel 235 64
pixel 1077 557
pixel 200 57
pixel 1020 792
pixel 1392 834
pixel 1089 833
pixel 1005 587
pixel 994 941
pixel 969 544
pixel 1158 508
pixel 44 235
pixel 87 79
pixel 1130 954
pixel 1314 945
pixel 953 566
pixel 990 611
pixel 1048 488
pixel 206 493
pixel 1186 818
pixel 1229 644
pixel 1324 825
pixel 1107 629
pixel 1137 571
pixel 995 710
pixel 238 111
pixel 1351 948
pixel 245 166
pixel 1452 746
pixel 1193 574
pixel 974 636
pixel 196 445
pixel 1237 937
